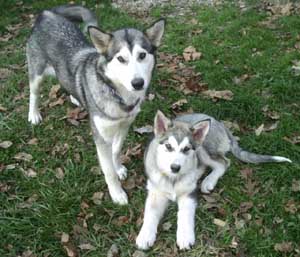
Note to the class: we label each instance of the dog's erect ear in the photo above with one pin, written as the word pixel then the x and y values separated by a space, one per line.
pixel 155 32
pixel 99 38
pixel 161 123
pixel 200 130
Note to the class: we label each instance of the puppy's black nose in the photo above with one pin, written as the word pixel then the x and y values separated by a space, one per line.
pixel 175 168
pixel 137 83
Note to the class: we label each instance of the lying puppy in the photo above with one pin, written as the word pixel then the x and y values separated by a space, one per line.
pixel 176 159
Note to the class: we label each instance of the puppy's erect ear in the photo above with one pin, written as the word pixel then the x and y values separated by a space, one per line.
pixel 156 31
pixel 200 130
pixel 161 123
pixel 99 38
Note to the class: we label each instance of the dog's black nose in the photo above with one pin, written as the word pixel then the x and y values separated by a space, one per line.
pixel 137 83
pixel 175 168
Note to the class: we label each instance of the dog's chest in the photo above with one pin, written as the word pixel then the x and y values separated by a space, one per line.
pixel 173 191
pixel 108 129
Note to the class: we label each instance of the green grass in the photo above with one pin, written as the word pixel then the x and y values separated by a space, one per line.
pixel 58 204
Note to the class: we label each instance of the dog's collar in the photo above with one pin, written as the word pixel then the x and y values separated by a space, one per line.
pixel 123 105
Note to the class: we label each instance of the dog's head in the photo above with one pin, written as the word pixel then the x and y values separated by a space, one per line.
pixel 176 151
pixel 129 54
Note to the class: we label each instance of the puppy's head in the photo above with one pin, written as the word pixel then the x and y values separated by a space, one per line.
pixel 129 54
pixel 177 144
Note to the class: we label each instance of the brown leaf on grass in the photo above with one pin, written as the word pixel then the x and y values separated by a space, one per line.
pixel 64 238
pixel 291 206
pixel 60 101
pixel 284 247
pixel 240 80
pixel 29 202
pixel 231 125
pixel 135 151
pixel 113 251
pixel 245 206
pixel 5 144
pixel 2 109
pixel 30 173
pixel 53 91
pixel 33 141
pixel 59 173
pixel 129 183
pixel 98 197
pixel 219 223
pixel 166 226
pixel 269 113
pixel 266 128
pixel 5 73
pixel 296 185
pixel 87 246
pixel 23 157
pixel 144 130
pixel 216 95
pixel 28 253
pixel 60 149
pixel 121 220
pixel 190 54
pixel 246 173
pixel 139 253
pixel 294 140
pixel 296 67
pixel 178 104
pixel 193 85
pixel 70 249
pixel 259 130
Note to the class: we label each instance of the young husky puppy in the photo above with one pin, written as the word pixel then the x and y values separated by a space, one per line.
pixel 174 161
pixel 109 77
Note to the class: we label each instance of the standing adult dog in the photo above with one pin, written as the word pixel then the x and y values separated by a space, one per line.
pixel 109 77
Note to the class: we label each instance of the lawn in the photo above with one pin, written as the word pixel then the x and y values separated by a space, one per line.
pixel 54 201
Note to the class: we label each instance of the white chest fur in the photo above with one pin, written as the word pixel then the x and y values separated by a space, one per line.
pixel 108 129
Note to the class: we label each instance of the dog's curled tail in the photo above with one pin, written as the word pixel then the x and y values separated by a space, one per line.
pixel 249 157
pixel 77 13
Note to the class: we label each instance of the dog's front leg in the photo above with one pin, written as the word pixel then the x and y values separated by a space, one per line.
pixel 116 191
pixel 186 222
pixel 116 151
pixel 156 204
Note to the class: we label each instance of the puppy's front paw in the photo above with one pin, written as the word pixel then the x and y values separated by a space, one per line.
pixel 208 185
pixel 122 172
pixel 118 196
pixel 34 117
pixel 145 239
pixel 185 239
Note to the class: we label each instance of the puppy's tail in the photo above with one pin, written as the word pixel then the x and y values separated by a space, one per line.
pixel 249 157
pixel 77 13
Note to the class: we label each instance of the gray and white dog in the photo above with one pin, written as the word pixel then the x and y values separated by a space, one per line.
pixel 175 160
pixel 109 77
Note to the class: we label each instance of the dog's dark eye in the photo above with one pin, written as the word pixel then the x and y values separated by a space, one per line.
pixel 121 59
pixel 142 56
pixel 169 147
pixel 186 149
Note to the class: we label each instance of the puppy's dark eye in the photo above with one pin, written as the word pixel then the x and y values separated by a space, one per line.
pixel 121 59
pixel 186 149
pixel 169 147
pixel 142 56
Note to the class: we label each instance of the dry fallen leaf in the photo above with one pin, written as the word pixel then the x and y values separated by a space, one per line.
pixel 86 246
pixel 53 91
pixel 216 95
pixel 294 140
pixel 4 73
pixel 5 144
pixel 177 105
pixel 219 223
pixel 30 173
pixel 190 54
pixel 291 206
pixel 64 237
pixel 296 185
pixel 59 173
pixel 70 249
pixel 23 156
pixel 98 197
pixel 60 101
pixel 138 253
pixel 231 125
pixel 284 247
pixel 2 109
pixel 113 251
pixel 33 141
pixel 240 80
pixel 166 226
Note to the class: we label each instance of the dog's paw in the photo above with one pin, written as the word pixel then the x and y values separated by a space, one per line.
pixel 208 185
pixel 34 117
pixel 118 196
pixel 122 172
pixel 185 240
pixel 74 101
pixel 145 239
